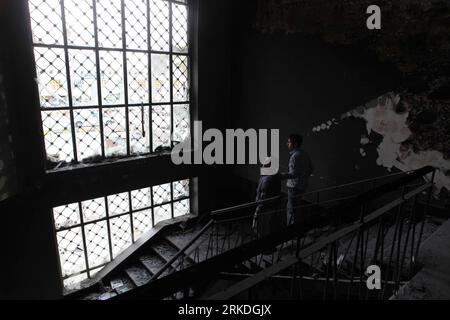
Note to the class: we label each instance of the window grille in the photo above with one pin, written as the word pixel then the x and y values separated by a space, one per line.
pixel 91 233
pixel 113 76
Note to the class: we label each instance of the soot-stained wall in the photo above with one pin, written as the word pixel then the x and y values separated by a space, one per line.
pixel 294 83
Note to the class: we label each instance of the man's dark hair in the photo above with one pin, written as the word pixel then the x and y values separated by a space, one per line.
pixel 296 139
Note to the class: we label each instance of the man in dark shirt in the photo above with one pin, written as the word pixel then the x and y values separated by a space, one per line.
pixel 266 220
pixel 300 168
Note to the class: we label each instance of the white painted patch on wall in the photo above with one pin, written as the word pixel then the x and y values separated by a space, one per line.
pixel 364 140
pixel 381 118
pixel 362 152
pixel 326 125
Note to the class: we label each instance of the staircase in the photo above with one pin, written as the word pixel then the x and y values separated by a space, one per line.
pixel 326 254
pixel 314 271
pixel 142 267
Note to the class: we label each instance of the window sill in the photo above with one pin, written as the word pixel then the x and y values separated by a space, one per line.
pixel 108 162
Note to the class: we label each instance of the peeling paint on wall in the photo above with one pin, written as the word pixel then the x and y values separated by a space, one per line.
pixel 415 33
pixel 403 120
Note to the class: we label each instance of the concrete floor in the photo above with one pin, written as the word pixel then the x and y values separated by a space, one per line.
pixel 433 281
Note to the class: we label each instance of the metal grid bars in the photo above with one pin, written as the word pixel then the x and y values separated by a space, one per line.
pixel 113 76
pixel 91 233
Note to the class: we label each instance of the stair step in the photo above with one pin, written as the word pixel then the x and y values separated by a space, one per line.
pixel 154 263
pixel 199 250
pixel 138 274
pixel 107 295
pixel 91 296
pixel 183 295
pixel 247 266
pixel 165 250
pixel 346 263
pixel 240 268
pixel 122 284
pixel 187 260
pixel 256 265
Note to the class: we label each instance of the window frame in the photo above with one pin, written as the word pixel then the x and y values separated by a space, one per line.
pixel 89 270
pixel 100 107
pixel 73 174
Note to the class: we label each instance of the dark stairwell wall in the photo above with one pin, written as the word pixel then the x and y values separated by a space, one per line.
pixel 30 256
pixel 293 83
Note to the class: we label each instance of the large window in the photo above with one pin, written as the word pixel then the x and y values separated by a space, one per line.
pixel 92 233
pixel 113 76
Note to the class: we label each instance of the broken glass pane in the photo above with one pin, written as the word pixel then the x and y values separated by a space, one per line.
pixel 142 222
pixel 118 204
pixel 51 77
pixel 161 126
pixel 162 213
pixel 120 234
pixel 87 133
pixel 71 252
pixel 114 130
pixel 181 208
pixel 66 216
pixel 97 243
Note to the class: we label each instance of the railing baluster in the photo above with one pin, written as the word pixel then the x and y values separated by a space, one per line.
pixel 355 257
pixel 217 240
pixel 383 233
pixel 425 212
pixel 293 281
pixel 224 239
pixel 347 250
pixel 300 285
pixel 392 252
pixel 366 246
pixel 335 268
pixel 399 244
pixel 325 293
pixel 361 266
pixel 211 233
pixel 377 248
pixel 413 240
pixel 378 241
pixel 411 222
pixel 197 255
pixel 226 230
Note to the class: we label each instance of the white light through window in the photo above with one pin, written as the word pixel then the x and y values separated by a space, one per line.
pixel 113 76
pixel 91 233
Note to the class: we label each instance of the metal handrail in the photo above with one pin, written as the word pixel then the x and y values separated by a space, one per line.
pixel 308 251
pixel 182 251
pixel 361 181
pixel 206 228
pixel 164 287
pixel 298 207
pixel 230 209
pixel 283 210
pixel 245 206
pixel 368 219
pixel 274 199
pixel 184 278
